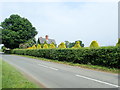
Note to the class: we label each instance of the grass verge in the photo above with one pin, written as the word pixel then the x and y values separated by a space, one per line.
pixel 92 67
pixel 11 78
pixel 0 74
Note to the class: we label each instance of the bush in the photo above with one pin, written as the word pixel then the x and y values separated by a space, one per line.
pixel 52 46
pixel 103 56
pixel 38 46
pixel 118 44
pixel 62 45
pixel 3 48
pixel 45 46
pixel 77 44
pixel 94 44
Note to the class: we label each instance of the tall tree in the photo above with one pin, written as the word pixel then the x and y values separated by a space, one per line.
pixel 16 30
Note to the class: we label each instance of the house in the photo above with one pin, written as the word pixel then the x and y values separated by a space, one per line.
pixel 47 40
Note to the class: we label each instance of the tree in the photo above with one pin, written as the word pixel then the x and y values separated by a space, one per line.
pixel 73 44
pixel 81 44
pixel 94 44
pixel 45 46
pixel 27 44
pixel 52 45
pixel 118 44
pixel 0 35
pixel 77 44
pixel 38 46
pixel 34 47
pixel 38 41
pixel 67 44
pixel 16 30
pixel 62 45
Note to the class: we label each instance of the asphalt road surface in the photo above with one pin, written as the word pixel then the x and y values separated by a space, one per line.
pixel 54 75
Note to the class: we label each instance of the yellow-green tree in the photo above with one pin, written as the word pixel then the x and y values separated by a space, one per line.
pixel 62 45
pixel 34 47
pixel 52 46
pixel 94 44
pixel 45 46
pixel 38 46
pixel 118 44
pixel 77 44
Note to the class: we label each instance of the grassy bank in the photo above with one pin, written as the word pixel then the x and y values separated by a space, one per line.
pixel 0 74
pixel 11 78
pixel 92 67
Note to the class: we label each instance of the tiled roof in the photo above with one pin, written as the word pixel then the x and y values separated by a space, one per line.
pixel 49 41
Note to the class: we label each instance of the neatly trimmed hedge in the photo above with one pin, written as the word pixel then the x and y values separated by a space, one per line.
pixel 103 56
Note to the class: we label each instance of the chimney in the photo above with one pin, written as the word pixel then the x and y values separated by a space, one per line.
pixel 46 37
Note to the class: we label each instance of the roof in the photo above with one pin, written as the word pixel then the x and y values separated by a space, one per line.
pixel 49 41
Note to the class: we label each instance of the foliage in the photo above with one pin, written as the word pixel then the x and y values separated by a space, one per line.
pixel 11 78
pixel 38 46
pixel 62 45
pixel 16 30
pixel 77 44
pixel 67 44
pixel 81 44
pixel 103 56
pixel 45 46
pixel 73 44
pixel 118 44
pixel 94 44
pixel 38 41
pixel 3 48
pixel 27 44
pixel 0 35
pixel 34 47
pixel 52 46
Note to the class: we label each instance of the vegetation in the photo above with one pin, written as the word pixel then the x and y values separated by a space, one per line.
pixel 38 46
pixel 52 46
pixel 45 46
pixel 77 44
pixel 16 30
pixel 27 44
pixel 72 44
pixel 11 78
pixel 103 56
pixel 0 74
pixel 94 44
pixel 118 44
pixel 62 45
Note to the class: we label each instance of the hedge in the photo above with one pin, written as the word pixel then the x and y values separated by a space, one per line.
pixel 103 56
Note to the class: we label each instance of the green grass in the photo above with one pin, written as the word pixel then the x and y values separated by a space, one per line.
pixel 93 67
pixel 11 78
pixel 0 74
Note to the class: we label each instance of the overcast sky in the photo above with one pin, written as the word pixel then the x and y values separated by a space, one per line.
pixel 69 21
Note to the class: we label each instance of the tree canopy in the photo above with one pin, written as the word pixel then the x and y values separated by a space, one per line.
pixel 16 30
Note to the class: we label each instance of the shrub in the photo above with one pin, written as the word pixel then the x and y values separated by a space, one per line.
pixel 94 44
pixel 45 46
pixel 52 46
pixel 34 47
pixel 38 46
pixel 103 56
pixel 118 44
pixel 62 45
pixel 77 44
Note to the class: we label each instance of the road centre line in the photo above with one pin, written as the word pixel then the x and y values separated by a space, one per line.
pixel 47 67
pixel 97 80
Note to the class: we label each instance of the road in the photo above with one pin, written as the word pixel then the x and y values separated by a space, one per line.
pixel 54 75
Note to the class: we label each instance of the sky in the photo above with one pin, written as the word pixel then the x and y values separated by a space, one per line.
pixel 69 21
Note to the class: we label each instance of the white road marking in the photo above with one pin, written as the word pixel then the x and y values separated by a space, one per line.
pixel 97 80
pixel 48 67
